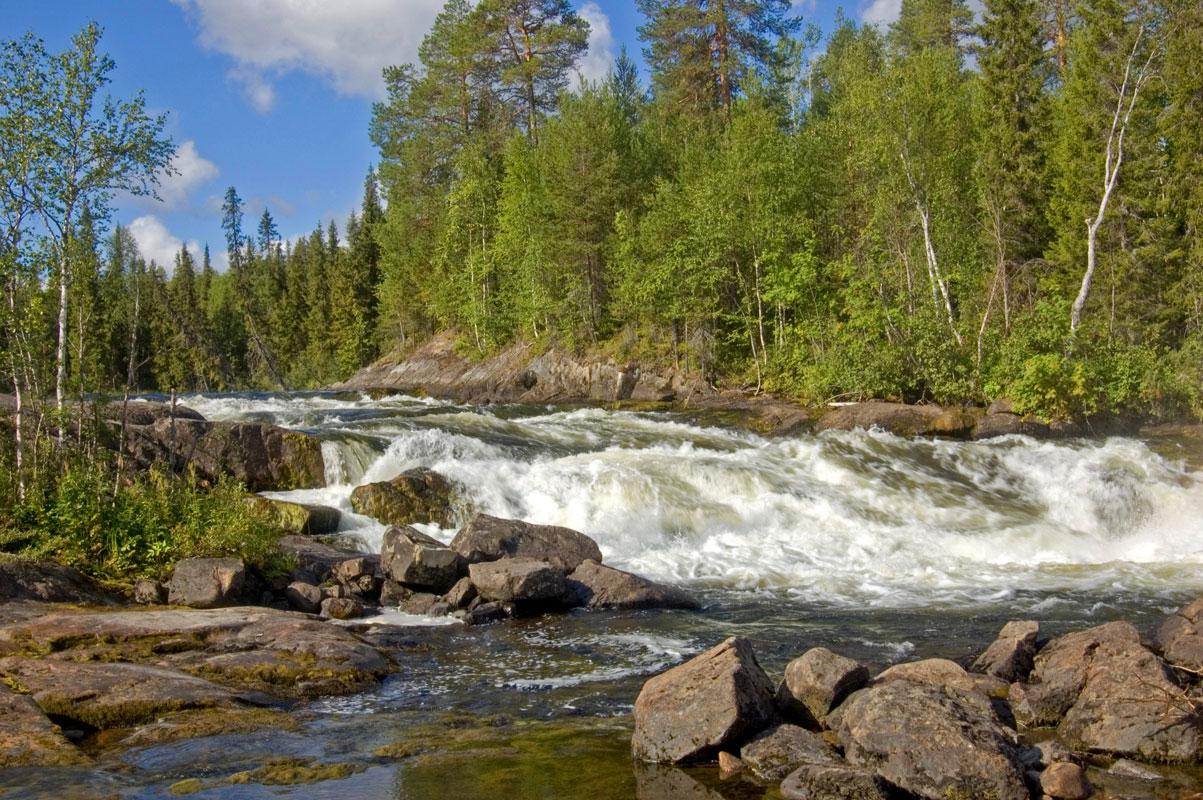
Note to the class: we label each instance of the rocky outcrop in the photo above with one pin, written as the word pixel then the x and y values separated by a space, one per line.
pixel 417 495
pixel 487 538
pixel 414 559
pixel 816 682
pixel 311 520
pixel 22 579
pixel 1012 654
pixel 207 583
pixel 28 738
pixel 598 586
pixel 710 703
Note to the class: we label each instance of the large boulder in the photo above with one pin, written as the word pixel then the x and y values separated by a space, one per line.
pixel 410 557
pixel 775 753
pixel 1179 638
pixel 416 496
pixel 519 580
pixel 935 743
pixel 207 582
pixel 600 586
pixel 712 702
pixel 816 682
pixel 487 538
pixel 904 420
pixel 306 518
pixel 28 738
pixel 1011 655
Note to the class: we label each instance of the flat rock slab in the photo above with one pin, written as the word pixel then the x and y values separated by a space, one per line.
pixel 712 702
pixel 599 586
pixel 487 538
pixel 112 695
pixel 28 738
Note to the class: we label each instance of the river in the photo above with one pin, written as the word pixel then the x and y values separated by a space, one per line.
pixel 880 548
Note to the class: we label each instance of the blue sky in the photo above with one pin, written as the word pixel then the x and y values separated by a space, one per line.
pixel 274 96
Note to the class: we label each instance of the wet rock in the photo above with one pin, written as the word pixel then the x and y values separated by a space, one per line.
pixel 829 782
pixel 709 703
pixel 1065 781
pixel 519 580
pixel 28 738
pixel 1012 654
pixel 112 695
pixel 816 682
pixel 304 597
pixel 147 412
pixel 487 613
pixel 933 742
pixel 729 764
pixel 775 753
pixel 417 495
pixel 487 538
pixel 414 559
pixel 1124 768
pixel 421 603
pixel 956 423
pixel 1180 637
pixel 1003 424
pixel 341 608
pixel 904 420
pixel 599 586
pixel 150 593
pixel 207 582
pixel 311 520
pixel 22 579
pixel 315 559
pixel 461 594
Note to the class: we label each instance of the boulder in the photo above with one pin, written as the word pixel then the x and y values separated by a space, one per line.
pixel 28 738
pixel 816 682
pixel 207 582
pixel 22 579
pixel 827 782
pixel 412 558
pixel 112 695
pixel 1004 424
pixel 712 702
pixel 775 753
pixel 1012 654
pixel 417 495
pixel 461 594
pixel 487 613
pixel 315 560
pixel 149 593
pixel 147 412
pixel 358 576
pixel 519 580
pixel 942 674
pixel 898 418
pixel 421 603
pixel 341 608
pixel 311 520
pixel 487 538
pixel 1179 638
pixel 393 594
pixel 304 597
pixel 1065 781
pixel 957 423
pixel 599 586
pixel 933 742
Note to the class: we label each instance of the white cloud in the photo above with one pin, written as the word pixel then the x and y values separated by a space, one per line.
pixel 157 243
pixel 191 171
pixel 346 44
pixel 882 12
pixel 598 59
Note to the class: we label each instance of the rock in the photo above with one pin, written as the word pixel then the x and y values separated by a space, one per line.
pixel 341 608
pixel 412 558
pixel 957 423
pixel 1180 637
pixel 487 613
pixel 938 672
pixel 417 495
pixel 729 764
pixel 420 603
pixel 207 582
pixel 843 782
pixel 29 739
pixel 710 703
pixel 816 682
pixel 1000 405
pixel 599 586
pixel 1011 655
pixel 149 593
pixel 304 597
pixel 461 594
pixel 519 580
pixel 311 520
pixel 22 579
pixel 775 753
pixel 393 594
pixel 1051 752
pixel 112 695
pixel 662 782
pixel 1002 424
pixel 933 742
pixel 315 559
pixel 1065 781
pixel 904 420
pixel 348 571
pixel 1130 769
pixel 487 538
pixel 147 412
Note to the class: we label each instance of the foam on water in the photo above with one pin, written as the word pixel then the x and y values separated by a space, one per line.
pixel 853 518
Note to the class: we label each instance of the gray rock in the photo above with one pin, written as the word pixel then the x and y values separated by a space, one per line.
pixel 393 594
pixel 304 597
pixel 775 753
pixel 315 559
pixel 487 538
pixel 22 579
pixel 207 582
pixel 461 594
pixel 150 593
pixel 816 682
pixel 345 572
pixel 1065 781
pixel 341 608
pixel 933 742
pixel 843 782
pixel 519 580
pixel 29 739
pixel 414 559
pixel 1180 637
pixel 600 586
pixel 710 703
pixel 421 603
pixel 1012 654
pixel 1130 769
pixel 487 613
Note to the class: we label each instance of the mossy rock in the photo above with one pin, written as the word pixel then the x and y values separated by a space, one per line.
pixel 292 771
pixel 415 496
pixel 312 520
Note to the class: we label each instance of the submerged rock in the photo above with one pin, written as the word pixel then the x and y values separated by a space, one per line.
pixel 417 495
pixel 712 702
pixel 487 538
pixel 600 586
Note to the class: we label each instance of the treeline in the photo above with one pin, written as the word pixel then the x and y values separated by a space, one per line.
pixel 946 210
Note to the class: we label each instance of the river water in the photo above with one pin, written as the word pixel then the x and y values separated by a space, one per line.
pixel 880 548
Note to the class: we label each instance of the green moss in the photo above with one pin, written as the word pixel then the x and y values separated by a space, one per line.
pixel 186 786
pixel 123 715
pixel 212 722
pixel 291 771
pixel 288 675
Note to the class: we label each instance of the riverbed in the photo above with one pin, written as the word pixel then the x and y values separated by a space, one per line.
pixel 881 548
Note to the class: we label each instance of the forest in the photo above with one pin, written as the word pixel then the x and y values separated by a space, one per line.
pixel 950 209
